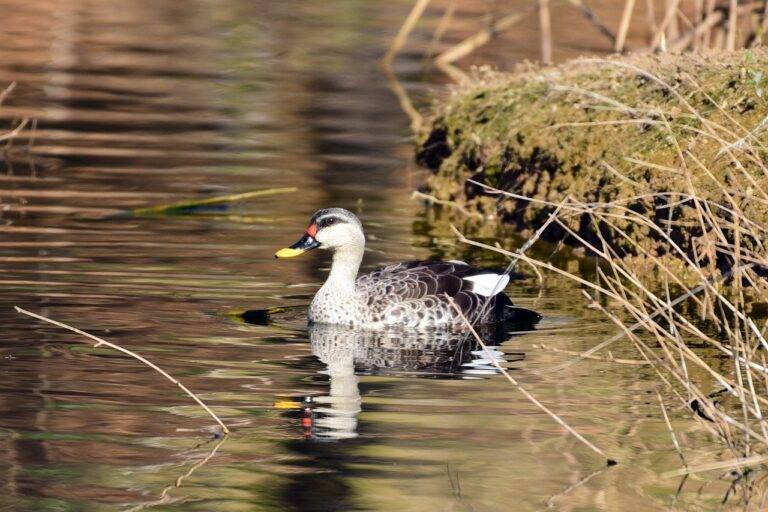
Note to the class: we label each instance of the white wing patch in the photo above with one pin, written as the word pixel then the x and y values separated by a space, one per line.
pixel 488 285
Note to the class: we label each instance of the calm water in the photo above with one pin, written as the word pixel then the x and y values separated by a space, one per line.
pixel 144 103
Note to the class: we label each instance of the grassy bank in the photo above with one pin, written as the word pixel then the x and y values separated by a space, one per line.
pixel 655 166
pixel 647 132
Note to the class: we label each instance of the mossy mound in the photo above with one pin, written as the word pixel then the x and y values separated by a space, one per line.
pixel 606 130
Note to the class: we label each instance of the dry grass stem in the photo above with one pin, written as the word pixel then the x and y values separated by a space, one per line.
pixel 730 44
pixel 590 15
pixel 660 312
pixel 609 358
pixel 626 19
pixel 450 204
pixel 672 435
pixel 15 131
pixel 100 341
pixel 739 463
pixel 442 27
pixel 482 37
pixel 545 26
pixel 525 392
pixel 408 25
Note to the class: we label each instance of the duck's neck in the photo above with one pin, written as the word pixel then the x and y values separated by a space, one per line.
pixel 346 263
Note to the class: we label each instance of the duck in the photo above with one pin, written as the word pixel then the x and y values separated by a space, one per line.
pixel 412 294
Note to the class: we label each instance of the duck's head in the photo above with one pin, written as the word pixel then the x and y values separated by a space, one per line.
pixel 330 228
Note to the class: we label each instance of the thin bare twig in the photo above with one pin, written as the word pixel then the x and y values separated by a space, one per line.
pixel 402 36
pixel 482 37
pixel 671 430
pixel 525 392
pixel 626 19
pixel 545 25
pixel 100 341
pixel 713 466
pixel 590 15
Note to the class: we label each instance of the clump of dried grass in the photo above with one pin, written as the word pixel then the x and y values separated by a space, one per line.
pixel 666 314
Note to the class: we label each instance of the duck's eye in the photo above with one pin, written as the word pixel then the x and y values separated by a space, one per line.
pixel 330 221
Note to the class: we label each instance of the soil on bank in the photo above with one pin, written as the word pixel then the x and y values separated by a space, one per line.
pixel 605 130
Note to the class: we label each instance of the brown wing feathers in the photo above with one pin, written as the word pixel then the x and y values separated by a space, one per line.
pixel 435 279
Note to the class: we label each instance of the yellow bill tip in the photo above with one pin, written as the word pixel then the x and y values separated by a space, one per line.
pixel 288 253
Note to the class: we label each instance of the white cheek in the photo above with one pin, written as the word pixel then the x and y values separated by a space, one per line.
pixel 334 236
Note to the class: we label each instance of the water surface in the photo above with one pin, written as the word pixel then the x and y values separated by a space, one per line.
pixel 144 103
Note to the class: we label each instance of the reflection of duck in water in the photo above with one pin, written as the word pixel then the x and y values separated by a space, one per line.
pixel 421 354
pixel 413 294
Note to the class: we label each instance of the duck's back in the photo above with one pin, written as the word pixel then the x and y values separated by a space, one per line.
pixel 415 294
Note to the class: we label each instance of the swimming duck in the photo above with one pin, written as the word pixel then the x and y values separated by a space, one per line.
pixel 412 294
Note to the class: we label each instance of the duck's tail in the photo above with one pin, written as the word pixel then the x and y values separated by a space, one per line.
pixel 522 316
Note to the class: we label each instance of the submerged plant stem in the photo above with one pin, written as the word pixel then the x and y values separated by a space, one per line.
pixel 182 206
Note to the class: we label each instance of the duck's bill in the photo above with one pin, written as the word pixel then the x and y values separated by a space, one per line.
pixel 307 243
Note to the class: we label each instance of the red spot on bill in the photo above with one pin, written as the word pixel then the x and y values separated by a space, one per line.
pixel 312 230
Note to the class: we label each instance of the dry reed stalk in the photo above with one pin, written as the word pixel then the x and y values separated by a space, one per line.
pixel 671 430
pixel 442 27
pixel 733 22
pixel 650 15
pixel 15 131
pixel 626 19
pixel 673 31
pixel 590 15
pixel 513 260
pixel 700 35
pixel 545 26
pixel 661 31
pixel 718 40
pixel 706 37
pixel 656 314
pixel 450 204
pixel 525 392
pixel 5 92
pixel 100 341
pixel 703 28
pixel 606 359
pixel 402 35
pixel 712 466
pixel 481 38
pixel 456 74
pixel 698 17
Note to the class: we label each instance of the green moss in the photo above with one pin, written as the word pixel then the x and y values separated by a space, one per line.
pixel 599 131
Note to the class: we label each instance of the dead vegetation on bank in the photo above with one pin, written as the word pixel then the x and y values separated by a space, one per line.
pixel 672 25
pixel 654 136
pixel 656 166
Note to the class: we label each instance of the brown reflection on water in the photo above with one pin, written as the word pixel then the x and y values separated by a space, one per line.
pixel 143 103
